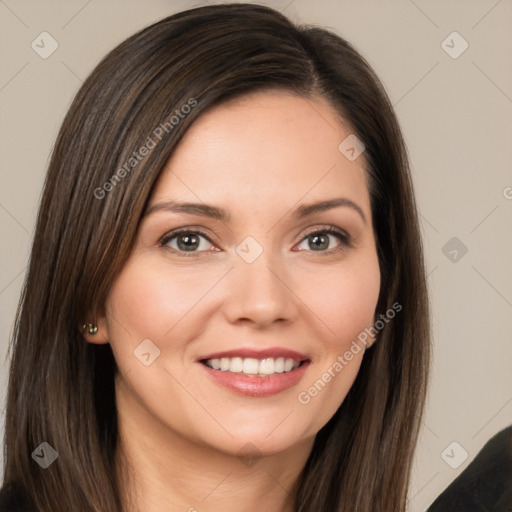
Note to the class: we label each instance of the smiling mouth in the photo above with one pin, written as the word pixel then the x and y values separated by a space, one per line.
pixel 253 367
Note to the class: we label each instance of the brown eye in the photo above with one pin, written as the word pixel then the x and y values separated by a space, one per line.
pixel 318 242
pixel 325 240
pixel 190 241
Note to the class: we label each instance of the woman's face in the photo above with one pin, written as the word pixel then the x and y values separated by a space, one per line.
pixel 262 283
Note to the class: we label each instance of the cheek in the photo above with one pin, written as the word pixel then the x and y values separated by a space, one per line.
pixel 147 301
pixel 345 300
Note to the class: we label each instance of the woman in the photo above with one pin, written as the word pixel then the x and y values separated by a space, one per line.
pixel 227 226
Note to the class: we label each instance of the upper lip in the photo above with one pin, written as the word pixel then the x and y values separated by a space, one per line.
pixel 273 352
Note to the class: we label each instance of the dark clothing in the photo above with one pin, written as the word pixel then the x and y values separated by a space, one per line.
pixel 13 499
pixel 486 484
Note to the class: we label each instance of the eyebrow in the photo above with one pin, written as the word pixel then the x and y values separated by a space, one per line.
pixel 215 212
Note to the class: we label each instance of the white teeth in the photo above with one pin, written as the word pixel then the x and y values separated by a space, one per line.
pixel 253 366
pixel 279 365
pixel 288 365
pixel 267 366
pixel 250 366
pixel 236 364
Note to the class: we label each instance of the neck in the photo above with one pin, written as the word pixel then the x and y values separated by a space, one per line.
pixel 162 470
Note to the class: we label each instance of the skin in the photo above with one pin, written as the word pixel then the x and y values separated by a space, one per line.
pixel 181 433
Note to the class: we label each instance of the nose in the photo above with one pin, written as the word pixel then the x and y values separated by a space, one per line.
pixel 259 293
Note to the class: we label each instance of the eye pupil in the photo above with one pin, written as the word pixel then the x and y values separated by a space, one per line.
pixel 319 241
pixel 190 242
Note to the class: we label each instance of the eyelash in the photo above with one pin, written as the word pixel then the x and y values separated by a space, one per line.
pixel 342 235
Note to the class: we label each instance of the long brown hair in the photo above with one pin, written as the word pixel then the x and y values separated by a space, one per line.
pixel 61 389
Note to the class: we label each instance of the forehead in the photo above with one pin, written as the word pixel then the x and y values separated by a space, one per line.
pixel 268 147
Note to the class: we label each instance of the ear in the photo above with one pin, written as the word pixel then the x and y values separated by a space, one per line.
pixel 100 337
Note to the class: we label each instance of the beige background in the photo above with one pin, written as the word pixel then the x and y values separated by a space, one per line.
pixel 456 117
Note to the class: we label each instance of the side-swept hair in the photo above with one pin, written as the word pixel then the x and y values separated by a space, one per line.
pixel 61 389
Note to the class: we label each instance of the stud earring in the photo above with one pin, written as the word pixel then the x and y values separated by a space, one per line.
pixel 92 329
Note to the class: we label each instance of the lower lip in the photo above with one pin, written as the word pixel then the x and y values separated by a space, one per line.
pixel 253 385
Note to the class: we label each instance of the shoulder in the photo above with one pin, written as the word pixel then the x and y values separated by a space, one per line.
pixel 486 484
pixel 14 499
